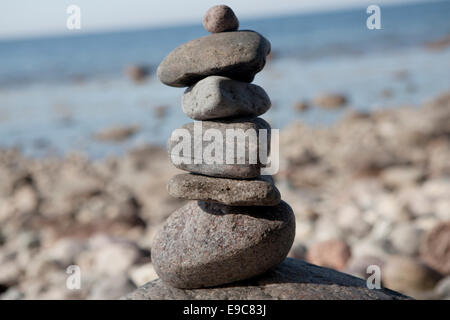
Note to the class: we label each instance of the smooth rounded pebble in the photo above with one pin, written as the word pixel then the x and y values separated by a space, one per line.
pixel 232 192
pixel 216 157
pixel 220 18
pixel 237 55
pixel 219 97
pixel 206 244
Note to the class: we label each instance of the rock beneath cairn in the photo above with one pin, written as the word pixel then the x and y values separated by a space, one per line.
pixel 220 18
pixel 220 97
pixel 244 162
pixel 237 55
pixel 204 244
pixel 232 192
pixel 291 280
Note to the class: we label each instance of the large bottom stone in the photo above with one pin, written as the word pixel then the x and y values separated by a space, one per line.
pixel 292 280
pixel 204 244
pixel 232 192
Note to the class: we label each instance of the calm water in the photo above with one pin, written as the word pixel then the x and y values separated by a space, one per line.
pixel 55 93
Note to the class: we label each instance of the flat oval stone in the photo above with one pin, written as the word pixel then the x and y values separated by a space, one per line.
pixel 205 244
pixel 190 151
pixel 237 55
pixel 232 192
pixel 219 97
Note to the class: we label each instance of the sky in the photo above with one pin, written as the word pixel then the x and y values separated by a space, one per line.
pixel 34 18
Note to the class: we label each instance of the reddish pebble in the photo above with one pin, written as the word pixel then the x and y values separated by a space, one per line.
pixel 331 254
pixel 220 19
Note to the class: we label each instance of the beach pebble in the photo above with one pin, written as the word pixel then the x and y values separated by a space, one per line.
pixel 330 100
pixel 234 192
pixel 220 18
pixel 142 274
pixel 26 199
pixel 109 258
pixel 220 97
pixel 64 251
pixel 116 134
pixel 405 238
pixel 242 165
pixel 435 249
pixel 298 251
pixel 389 209
pixel 9 273
pixel 206 244
pixel 416 202
pixel 326 228
pixel 350 217
pixel 137 73
pixel 160 112
pixel 437 188
pixel 401 176
pixel 408 275
pixel 442 209
pixel 301 106
pixel 236 55
pixel 369 247
pixel 111 288
pixel 13 293
pixel 331 254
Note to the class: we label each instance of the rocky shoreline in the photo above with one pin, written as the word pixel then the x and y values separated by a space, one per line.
pixel 373 188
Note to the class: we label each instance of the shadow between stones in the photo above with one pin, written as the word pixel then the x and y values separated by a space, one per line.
pixel 280 212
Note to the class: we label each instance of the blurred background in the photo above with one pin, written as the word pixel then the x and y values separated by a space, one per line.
pixel 365 138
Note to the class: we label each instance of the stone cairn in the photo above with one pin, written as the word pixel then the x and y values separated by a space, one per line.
pixel 235 227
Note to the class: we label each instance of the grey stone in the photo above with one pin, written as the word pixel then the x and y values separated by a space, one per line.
pixel 292 280
pixel 220 97
pixel 111 288
pixel 246 162
pixel 205 244
pixel 220 18
pixel 406 238
pixel 232 192
pixel 237 55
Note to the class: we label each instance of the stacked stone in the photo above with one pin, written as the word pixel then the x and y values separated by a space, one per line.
pixel 236 226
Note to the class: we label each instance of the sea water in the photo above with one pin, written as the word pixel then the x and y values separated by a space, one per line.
pixel 57 92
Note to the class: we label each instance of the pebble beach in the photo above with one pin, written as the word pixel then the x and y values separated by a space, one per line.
pixel 364 179
pixel 383 198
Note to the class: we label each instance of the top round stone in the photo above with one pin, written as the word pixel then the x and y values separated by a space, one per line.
pixel 220 18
